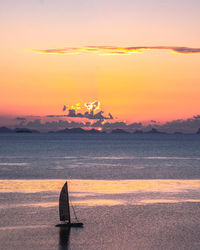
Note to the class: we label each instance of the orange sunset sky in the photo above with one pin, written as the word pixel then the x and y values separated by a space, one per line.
pixel 137 68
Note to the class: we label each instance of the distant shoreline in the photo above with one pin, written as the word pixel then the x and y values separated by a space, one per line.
pixel 6 130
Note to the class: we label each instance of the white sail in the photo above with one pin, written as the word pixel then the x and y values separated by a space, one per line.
pixel 64 204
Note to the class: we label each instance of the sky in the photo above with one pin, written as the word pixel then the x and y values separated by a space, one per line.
pixel 139 58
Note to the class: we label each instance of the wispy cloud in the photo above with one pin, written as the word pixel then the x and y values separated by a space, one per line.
pixel 112 50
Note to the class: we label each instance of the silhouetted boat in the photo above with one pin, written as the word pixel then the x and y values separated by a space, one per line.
pixel 64 210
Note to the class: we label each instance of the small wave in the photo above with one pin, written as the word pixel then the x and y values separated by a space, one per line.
pixel 14 164
pixel 77 158
pixel 142 157
pixel 171 158
pixel 59 167
pixel 23 227
pixel 65 157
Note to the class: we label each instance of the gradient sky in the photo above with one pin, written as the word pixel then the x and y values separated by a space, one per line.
pixel 149 84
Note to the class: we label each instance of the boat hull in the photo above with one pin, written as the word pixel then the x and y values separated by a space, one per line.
pixel 77 224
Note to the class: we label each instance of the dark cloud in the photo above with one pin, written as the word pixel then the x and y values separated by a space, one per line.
pixel 196 117
pixel 52 122
pixel 110 116
pixel 108 125
pixel 89 115
pixel 54 125
pixel 21 119
pixel 187 126
pixel 135 125
pixel 122 125
pixel 56 116
pixel 61 124
pixel 72 113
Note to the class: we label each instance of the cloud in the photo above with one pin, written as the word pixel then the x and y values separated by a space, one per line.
pixel 22 120
pixel 72 113
pixel 58 122
pixel 38 124
pixel 89 115
pixel 110 116
pixel 183 125
pixel 52 116
pixel 197 117
pixel 113 50
pixel 54 125
pixel 122 125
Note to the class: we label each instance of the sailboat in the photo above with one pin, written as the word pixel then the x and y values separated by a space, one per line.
pixel 64 210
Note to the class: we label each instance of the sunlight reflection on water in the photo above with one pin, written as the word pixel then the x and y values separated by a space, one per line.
pixel 99 186
pixel 108 193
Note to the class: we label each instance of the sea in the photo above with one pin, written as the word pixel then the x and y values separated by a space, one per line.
pixel 131 191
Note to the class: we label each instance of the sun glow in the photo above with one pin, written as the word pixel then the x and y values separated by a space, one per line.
pixel 92 106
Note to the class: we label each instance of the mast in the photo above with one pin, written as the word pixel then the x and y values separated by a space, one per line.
pixel 64 209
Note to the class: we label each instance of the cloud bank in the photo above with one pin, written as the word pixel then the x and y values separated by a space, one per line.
pixel 190 125
pixel 112 50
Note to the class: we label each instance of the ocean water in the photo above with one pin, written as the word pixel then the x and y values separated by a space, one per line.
pixel 130 191
pixel 55 156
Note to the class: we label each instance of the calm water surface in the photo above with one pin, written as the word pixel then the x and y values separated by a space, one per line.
pixel 52 156
pixel 130 191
